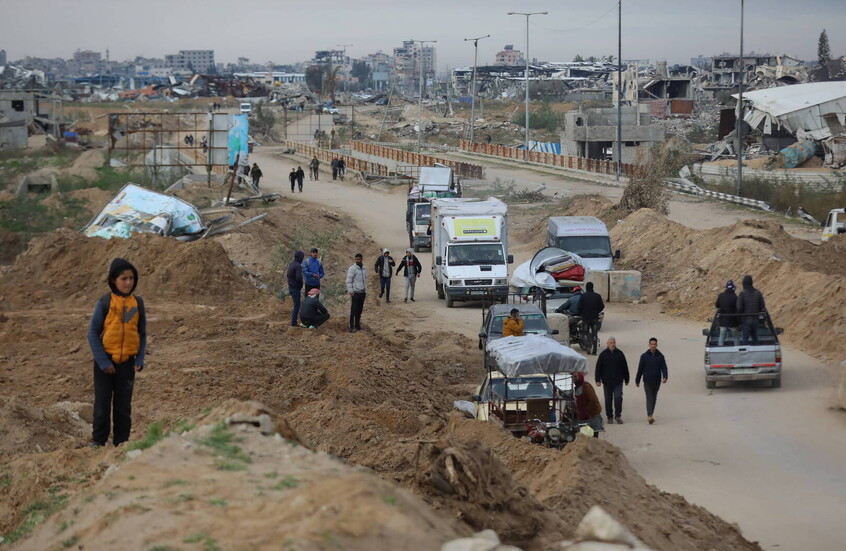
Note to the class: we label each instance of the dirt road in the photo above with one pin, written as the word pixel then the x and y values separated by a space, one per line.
pixel 769 460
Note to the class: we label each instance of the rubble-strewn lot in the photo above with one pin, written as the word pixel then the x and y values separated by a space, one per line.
pixel 381 399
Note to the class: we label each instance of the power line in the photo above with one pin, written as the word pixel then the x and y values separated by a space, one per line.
pixel 603 16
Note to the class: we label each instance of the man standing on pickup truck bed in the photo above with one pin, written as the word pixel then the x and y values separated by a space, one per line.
pixel 612 371
pixel 750 303
pixel 727 314
pixel 653 369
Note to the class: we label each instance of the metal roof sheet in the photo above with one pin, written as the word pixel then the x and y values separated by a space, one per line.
pixel 787 99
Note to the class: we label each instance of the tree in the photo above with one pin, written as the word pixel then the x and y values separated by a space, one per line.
pixel 592 59
pixel 361 71
pixel 314 78
pixel 578 59
pixel 330 79
pixel 823 49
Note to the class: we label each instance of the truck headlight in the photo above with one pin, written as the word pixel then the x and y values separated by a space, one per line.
pixel 500 282
pixel 454 282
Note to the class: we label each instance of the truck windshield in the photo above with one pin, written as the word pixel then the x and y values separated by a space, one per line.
pixel 476 254
pixel 534 324
pixel 587 246
pixel 423 213
pixel 521 388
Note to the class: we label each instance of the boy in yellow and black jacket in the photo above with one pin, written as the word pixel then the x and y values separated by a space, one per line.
pixel 117 336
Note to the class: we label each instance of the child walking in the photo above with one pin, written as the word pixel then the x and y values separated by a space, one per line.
pixel 117 336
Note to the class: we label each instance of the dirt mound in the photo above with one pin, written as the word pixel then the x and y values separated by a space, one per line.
pixel 686 269
pixel 227 486
pixel 65 263
pixel 93 158
pixel 28 429
pixel 11 244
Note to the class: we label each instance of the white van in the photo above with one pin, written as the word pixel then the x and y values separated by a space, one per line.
pixel 585 236
pixel 246 108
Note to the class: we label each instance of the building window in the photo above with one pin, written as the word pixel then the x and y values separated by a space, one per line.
pixel 18 104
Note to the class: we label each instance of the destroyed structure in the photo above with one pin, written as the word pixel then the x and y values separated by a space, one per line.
pixel 592 133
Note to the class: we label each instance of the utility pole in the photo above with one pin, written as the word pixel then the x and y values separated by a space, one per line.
pixel 344 46
pixel 739 128
pixel 620 89
pixel 526 154
pixel 473 94
pixel 420 102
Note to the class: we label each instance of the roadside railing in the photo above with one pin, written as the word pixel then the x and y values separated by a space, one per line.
pixel 350 162
pixel 462 169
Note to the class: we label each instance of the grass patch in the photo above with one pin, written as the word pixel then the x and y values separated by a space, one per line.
pixel 218 502
pixel 154 434
pixel 289 481
pixel 209 543
pixel 271 475
pixel 183 497
pixel 225 465
pixel 302 241
pixel 174 482
pixel 70 542
pixel 391 500
pixel 221 440
pixel 182 426
pixel 162 548
pixel 35 513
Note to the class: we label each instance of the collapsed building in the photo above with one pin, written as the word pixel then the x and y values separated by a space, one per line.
pixel 592 133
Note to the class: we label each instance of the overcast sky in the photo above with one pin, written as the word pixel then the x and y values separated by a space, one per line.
pixel 285 31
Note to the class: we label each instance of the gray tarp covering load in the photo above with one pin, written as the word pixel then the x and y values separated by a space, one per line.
pixel 533 354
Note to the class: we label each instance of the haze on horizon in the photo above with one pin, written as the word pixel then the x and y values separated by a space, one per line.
pixel 288 32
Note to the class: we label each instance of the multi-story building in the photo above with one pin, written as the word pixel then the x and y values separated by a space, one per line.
pixel 509 56
pixel 409 60
pixel 197 61
pixel 726 68
pixel 2 57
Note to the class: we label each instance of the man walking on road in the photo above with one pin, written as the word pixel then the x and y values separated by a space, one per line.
pixel 357 288
pixel 412 268
pixel 334 165
pixel 313 166
pixel 295 284
pixel 300 177
pixel 385 268
pixel 750 303
pixel 292 177
pixel 653 369
pixel 590 306
pixel 612 371
pixel 255 174
pixel 312 271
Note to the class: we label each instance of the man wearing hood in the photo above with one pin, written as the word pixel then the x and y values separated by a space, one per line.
pixel 588 407
pixel 117 336
pixel 412 269
pixel 727 314
pixel 385 268
pixel 750 303
pixel 295 284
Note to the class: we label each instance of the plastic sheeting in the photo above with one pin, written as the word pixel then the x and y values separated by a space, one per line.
pixel 532 273
pixel 533 354
pixel 139 210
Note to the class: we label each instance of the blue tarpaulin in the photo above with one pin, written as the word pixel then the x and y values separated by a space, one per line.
pixel 544 147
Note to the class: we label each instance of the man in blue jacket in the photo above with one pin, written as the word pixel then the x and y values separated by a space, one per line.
pixel 312 271
pixel 653 369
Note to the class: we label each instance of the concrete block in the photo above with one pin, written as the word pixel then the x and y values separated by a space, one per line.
pixel 623 286
pixel 600 282
pixel 559 321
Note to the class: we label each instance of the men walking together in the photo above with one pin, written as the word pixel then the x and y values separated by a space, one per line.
pixel 334 165
pixel 292 177
pixel 300 177
pixel 411 271
pixel 653 369
pixel 612 371
pixel 357 288
pixel 385 268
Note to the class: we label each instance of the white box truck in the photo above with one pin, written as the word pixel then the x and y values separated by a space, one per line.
pixel 435 181
pixel 470 249
pixel 585 236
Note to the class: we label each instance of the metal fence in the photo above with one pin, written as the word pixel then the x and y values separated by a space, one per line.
pixel 461 168
pixel 686 186
pixel 351 163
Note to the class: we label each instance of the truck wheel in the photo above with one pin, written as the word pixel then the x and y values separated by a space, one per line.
pixel 710 384
pixel 777 382
pixel 416 248
pixel 440 290
pixel 449 302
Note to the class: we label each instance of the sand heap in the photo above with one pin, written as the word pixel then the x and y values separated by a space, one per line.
pixel 686 269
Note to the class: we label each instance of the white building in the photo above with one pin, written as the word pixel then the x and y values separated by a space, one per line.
pixel 198 61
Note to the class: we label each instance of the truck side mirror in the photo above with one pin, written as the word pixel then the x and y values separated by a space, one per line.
pixel 511 259
pixel 779 331
pixel 554 332
pixel 475 398
pixel 438 260
pixel 705 332
pixel 483 335
pixel 617 254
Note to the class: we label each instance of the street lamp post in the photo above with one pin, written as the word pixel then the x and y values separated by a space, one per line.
pixel 526 154
pixel 473 91
pixel 620 89
pixel 344 46
pixel 739 128
pixel 420 100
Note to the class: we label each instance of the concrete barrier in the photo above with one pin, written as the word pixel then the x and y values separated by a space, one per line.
pixel 623 286
pixel 600 283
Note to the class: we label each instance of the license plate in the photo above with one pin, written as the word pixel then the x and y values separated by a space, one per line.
pixel 477 292
pixel 744 371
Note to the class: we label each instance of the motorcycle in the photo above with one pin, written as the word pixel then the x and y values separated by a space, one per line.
pixel 552 435
pixel 580 335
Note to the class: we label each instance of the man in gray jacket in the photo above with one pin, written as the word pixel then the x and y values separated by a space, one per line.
pixel 357 288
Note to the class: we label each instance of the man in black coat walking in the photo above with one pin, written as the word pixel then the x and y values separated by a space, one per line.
pixel 612 371
pixel 727 314
pixel 750 303
pixel 590 306
pixel 653 369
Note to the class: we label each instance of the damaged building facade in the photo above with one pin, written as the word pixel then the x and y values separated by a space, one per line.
pixel 592 133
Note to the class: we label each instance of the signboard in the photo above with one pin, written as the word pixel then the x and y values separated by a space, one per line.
pixel 239 139
pixel 475 227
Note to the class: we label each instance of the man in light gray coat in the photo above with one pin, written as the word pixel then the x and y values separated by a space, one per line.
pixel 357 288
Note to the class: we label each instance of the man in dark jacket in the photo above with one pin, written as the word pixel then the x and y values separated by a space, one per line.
pixel 295 283
pixel 300 177
pixel 653 369
pixel 385 268
pixel 727 314
pixel 590 306
pixel 750 303
pixel 334 165
pixel 255 174
pixel 292 177
pixel 411 271
pixel 313 313
pixel 612 371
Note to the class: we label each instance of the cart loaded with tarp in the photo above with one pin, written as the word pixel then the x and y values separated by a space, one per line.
pixel 529 389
